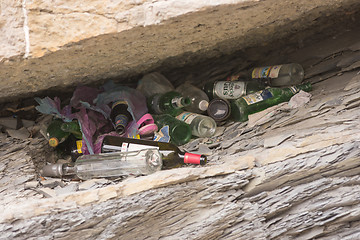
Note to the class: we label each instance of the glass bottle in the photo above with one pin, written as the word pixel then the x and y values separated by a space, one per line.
pixel 241 108
pixel 279 75
pixel 120 116
pixel 70 147
pixel 104 165
pixel 231 89
pixel 219 110
pixel 154 83
pixel 199 99
pixel 55 134
pixel 201 126
pixel 73 128
pixel 171 155
pixel 170 103
pixel 180 132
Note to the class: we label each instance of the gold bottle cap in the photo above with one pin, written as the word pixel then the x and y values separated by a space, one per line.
pixel 53 142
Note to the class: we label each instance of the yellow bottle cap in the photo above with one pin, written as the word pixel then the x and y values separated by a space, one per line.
pixel 53 142
pixel 79 146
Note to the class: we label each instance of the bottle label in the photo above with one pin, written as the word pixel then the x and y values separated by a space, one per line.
pixel 79 146
pixel 176 102
pixel 257 96
pixel 130 147
pixel 162 135
pixel 266 72
pixel 121 120
pixel 187 117
pixel 294 90
pixel 192 158
pixel 119 102
pixel 229 90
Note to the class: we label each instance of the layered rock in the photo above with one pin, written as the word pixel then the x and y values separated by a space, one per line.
pixel 287 173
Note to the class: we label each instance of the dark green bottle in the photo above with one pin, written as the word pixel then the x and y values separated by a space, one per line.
pixel 73 128
pixel 179 131
pixel 58 131
pixel 71 146
pixel 55 134
pixel 241 108
pixel 168 103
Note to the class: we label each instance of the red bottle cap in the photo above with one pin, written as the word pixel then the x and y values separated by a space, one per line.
pixel 194 158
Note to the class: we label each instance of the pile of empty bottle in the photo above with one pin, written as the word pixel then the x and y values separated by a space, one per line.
pixel 157 111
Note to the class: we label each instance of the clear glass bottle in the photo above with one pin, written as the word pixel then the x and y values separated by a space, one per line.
pixel 154 83
pixel 171 155
pixel 180 132
pixel 199 99
pixel 168 103
pixel 241 108
pixel 201 126
pixel 231 89
pixel 105 165
pixel 279 75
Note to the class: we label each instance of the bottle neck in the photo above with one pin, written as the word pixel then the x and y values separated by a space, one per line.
pixel 180 102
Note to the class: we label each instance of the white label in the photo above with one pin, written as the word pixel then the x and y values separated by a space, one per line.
pixel 274 72
pixel 187 117
pixel 229 90
pixel 130 147
pixel 266 72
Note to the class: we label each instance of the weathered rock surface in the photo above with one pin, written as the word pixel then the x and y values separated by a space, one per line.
pixel 59 44
pixel 293 174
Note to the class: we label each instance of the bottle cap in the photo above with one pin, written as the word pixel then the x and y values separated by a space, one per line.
pixel 219 109
pixel 203 105
pixel 53 142
pixel 195 158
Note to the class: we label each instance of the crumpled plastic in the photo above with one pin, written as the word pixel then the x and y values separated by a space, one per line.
pixel 53 107
pixel 299 99
pixel 93 112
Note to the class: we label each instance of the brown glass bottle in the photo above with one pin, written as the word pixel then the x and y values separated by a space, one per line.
pixel 120 116
pixel 172 157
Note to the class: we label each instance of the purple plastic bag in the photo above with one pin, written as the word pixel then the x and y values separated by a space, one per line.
pixel 93 112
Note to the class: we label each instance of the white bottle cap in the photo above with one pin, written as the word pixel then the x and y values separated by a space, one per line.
pixel 203 105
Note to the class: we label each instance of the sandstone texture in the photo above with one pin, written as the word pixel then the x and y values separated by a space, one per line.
pixel 59 44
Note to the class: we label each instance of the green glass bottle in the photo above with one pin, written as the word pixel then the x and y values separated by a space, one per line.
pixel 168 103
pixel 73 128
pixel 55 134
pixel 231 89
pixel 241 108
pixel 179 131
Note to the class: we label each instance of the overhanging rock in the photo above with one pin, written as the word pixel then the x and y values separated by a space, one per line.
pixel 46 44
